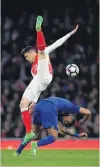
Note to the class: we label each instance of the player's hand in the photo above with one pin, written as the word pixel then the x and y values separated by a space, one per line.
pixel 83 135
pixel 75 30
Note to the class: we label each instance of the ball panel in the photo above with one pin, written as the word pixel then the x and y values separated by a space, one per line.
pixel 73 74
pixel 72 70
pixel 67 72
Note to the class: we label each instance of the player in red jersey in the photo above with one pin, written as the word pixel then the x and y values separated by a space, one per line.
pixel 41 71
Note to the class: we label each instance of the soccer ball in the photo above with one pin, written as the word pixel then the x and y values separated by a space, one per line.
pixel 72 70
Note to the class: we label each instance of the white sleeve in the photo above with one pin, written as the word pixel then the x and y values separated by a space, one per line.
pixel 58 43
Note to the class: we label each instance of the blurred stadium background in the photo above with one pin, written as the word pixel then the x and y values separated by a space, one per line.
pixel 18 31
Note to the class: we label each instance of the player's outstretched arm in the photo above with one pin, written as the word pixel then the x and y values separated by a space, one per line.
pixel 87 114
pixel 60 41
pixel 69 132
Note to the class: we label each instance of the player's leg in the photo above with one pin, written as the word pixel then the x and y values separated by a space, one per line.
pixel 43 59
pixel 26 117
pixel 35 129
pixel 51 138
pixel 29 96
pixel 49 120
pixel 40 36
pixel 21 148
pixel 25 113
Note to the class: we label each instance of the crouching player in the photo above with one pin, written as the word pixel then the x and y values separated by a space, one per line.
pixel 46 114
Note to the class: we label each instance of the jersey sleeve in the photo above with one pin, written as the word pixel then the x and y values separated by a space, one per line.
pixel 76 109
pixel 58 43
pixel 72 109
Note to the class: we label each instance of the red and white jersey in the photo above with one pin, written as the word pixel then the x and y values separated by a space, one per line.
pixel 48 50
pixel 35 65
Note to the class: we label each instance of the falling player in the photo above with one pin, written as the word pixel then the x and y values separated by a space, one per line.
pixel 46 113
pixel 41 71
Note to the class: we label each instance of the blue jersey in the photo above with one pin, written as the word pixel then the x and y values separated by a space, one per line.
pixel 63 105
pixel 47 110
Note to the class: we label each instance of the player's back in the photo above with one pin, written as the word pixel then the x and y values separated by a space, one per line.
pixel 63 105
pixel 57 101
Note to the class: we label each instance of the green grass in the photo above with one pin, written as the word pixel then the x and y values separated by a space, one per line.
pixel 51 158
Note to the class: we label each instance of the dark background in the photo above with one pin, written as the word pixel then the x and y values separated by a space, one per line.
pixel 18 31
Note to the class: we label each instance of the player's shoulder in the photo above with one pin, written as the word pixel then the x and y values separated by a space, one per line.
pixel 65 101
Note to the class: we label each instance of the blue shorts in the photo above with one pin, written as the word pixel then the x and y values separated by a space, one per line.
pixel 45 114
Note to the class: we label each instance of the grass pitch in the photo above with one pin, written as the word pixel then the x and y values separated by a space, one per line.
pixel 51 158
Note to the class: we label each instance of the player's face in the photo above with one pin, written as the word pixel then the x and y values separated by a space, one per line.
pixel 68 119
pixel 30 56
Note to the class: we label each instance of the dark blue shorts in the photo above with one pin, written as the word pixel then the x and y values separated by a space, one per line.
pixel 46 115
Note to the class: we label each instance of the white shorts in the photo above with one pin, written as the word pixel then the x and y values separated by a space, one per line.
pixel 36 86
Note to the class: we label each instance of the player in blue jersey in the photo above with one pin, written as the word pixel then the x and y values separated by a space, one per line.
pixel 46 114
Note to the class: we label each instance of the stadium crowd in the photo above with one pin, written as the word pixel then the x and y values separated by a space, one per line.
pixel 18 31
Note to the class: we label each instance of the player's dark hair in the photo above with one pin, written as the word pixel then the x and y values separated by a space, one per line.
pixel 72 123
pixel 60 118
pixel 26 49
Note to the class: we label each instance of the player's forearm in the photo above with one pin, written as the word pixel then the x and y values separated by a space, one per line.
pixel 85 118
pixel 87 114
pixel 69 132
pixel 60 41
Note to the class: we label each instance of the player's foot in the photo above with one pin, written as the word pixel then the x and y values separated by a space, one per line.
pixel 39 21
pixel 33 148
pixel 16 154
pixel 28 137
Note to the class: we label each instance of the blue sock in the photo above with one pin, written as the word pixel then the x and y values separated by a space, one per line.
pixel 46 140
pixel 21 147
